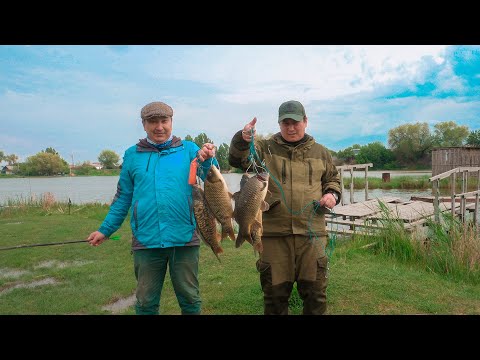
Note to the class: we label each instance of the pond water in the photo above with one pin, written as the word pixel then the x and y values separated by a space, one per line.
pixel 86 189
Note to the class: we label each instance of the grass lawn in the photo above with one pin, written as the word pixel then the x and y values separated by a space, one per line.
pixel 80 279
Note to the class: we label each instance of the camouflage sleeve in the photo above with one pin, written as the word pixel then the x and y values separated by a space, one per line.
pixel 331 177
pixel 239 151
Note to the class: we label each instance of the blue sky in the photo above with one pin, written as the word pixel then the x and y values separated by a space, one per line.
pixel 83 99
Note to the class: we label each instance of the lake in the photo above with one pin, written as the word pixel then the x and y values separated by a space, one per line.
pixel 86 189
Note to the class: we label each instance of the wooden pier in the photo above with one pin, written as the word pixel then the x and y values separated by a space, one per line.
pixel 368 216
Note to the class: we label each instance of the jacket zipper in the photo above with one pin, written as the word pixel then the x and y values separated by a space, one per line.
pixel 135 215
pixel 148 164
pixel 310 173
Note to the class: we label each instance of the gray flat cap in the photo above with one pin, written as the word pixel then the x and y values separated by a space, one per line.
pixel 156 109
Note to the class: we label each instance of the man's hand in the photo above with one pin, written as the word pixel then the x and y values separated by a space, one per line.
pixel 206 152
pixel 247 130
pixel 328 200
pixel 96 238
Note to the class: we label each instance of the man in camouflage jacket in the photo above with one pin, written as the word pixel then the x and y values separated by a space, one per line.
pixel 294 235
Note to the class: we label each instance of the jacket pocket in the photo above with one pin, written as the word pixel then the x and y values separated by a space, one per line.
pixel 262 266
pixel 322 267
pixel 265 271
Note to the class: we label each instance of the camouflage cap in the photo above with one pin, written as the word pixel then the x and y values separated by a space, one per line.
pixel 291 110
pixel 156 109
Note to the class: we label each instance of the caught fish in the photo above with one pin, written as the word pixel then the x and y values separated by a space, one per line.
pixel 219 201
pixel 249 206
pixel 206 222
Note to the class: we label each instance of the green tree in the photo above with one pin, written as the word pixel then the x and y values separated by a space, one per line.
pixel 202 139
pixel 10 159
pixel 222 157
pixel 109 159
pixel 448 133
pixel 44 164
pixel 85 168
pixel 50 150
pixel 377 154
pixel 347 156
pixel 473 138
pixel 2 156
pixel 189 138
pixel 411 143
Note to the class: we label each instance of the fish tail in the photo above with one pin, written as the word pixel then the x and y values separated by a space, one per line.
pixel 239 241
pixel 220 251
pixel 241 237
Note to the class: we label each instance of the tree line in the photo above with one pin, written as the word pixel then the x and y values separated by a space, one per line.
pixel 410 146
pixel 48 162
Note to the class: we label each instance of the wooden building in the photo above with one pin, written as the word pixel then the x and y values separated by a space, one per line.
pixel 448 158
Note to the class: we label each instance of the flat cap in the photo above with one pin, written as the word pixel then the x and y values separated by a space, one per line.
pixel 156 109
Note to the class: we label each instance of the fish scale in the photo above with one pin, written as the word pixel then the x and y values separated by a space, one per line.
pixel 219 201
pixel 206 222
pixel 249 205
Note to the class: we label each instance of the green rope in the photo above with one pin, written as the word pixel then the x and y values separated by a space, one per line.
pixel 315 204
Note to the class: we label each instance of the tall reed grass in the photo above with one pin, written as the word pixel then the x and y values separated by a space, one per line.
pixel 405 182
pixel 449 247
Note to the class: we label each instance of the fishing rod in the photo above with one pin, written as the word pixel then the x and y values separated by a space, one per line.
pixel 44 244
pixel 53 243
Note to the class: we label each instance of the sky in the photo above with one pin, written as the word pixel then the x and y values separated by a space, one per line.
pixel 82 99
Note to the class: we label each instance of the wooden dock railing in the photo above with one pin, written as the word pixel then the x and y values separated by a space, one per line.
pixel 351 168
pixel 465 171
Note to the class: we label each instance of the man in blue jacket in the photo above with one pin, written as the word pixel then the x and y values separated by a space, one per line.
pixel 154 184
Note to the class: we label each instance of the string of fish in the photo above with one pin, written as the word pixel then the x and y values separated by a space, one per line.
pixel 315 204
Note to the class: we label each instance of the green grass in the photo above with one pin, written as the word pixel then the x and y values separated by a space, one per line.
pixel 361 280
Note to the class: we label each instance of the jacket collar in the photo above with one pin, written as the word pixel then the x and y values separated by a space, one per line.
pixel 144 146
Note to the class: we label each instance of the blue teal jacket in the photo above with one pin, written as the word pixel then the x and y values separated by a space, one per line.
pixel 154 184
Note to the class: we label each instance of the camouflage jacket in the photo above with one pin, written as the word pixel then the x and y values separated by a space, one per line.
pixel 305 173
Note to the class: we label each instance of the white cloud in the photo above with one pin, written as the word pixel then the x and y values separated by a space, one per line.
pixel 249 74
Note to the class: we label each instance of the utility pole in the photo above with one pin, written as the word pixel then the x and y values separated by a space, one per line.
pixel 71 167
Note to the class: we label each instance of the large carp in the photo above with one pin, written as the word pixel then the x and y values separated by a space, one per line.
pixel 219 201
pixel 206 222
pixel 249 205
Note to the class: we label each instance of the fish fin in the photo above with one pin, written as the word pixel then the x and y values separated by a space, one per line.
pixel 239 241
pixel 259 246
pixel 236 195
pixel 224 234
pixel 264 206
pixel 231 234
pixel 228 233
pixel 242 236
